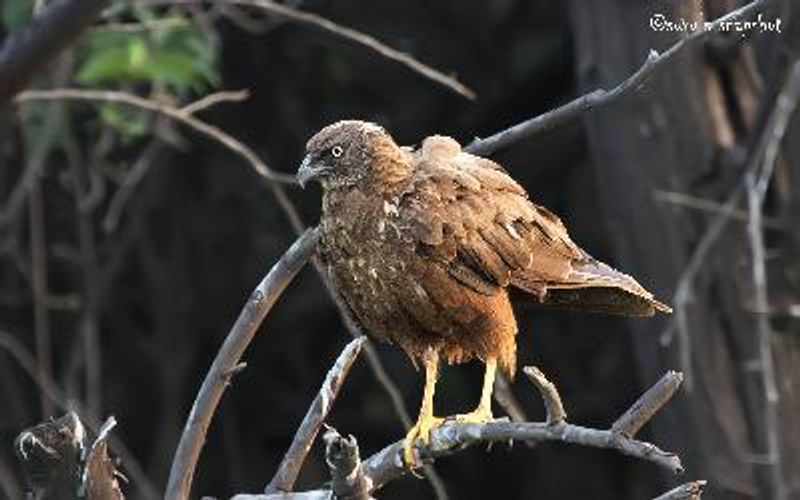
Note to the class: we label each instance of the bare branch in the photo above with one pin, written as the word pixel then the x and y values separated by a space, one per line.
pixel 261 301
pixel 688 491
pixel 451 437
pixel 505 398
pixel 42 39
pixel 601 97
pixel 212 100
pixel 710 206
pixel 214 133
pixel 290 466
pixel 756 192
pixel 344 32
pixel 348 481
pixel 648 405
pixel 361 39
pixel 552 400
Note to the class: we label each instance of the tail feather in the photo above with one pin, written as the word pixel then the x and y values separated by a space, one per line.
pixel 592 286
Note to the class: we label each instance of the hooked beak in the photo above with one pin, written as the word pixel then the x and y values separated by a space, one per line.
pixel 307 172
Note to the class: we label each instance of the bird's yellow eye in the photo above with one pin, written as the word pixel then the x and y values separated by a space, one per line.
pixel 337 151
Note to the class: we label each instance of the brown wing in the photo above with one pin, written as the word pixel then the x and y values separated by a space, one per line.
pixel 468 214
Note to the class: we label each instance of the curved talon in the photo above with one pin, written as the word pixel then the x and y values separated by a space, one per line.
pixel 479 416
pixel 422 431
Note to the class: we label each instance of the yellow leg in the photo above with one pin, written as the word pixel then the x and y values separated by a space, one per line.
pixel 426 421
pixel 483 413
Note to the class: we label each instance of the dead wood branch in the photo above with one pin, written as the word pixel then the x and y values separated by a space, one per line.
pixel 180 115
pixel 387 465
pixel 50 388
pixel 648 405
pixel 43 38
pixel 317 21
pixel 290 466
pixel 59 461
pixel 602 97
pixel 688 491
pixel 242 333
pixel 348 481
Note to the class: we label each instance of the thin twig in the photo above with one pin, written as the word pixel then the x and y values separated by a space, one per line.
pixel 785 107
pixel 289 468
pixel 688 491
pixel 214 99
pixel 88 323
pixel 39 289
pixel 710 206
pixel 601 97
pixel 552 400
pixel 648 405
pixel 336 29
pixel 242 333
pixel 212 132
pixel 505 398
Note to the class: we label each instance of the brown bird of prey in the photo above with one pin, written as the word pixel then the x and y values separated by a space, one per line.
pixel 422 245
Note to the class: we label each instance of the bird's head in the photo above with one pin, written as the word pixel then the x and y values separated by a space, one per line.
pixel 349 152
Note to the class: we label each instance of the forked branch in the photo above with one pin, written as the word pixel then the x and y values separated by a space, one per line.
pixel 387 465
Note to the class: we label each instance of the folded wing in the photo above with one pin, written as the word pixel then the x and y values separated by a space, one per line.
pixel 466 213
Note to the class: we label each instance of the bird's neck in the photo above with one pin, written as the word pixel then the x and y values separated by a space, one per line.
pixel 389 170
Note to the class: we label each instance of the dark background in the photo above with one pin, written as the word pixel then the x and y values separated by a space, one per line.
pixel 200 230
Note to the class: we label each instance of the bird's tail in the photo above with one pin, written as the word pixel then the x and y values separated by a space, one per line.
pixel 592 286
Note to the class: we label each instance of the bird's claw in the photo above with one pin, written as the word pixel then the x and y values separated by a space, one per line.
pixel 422 431
pixel 479 416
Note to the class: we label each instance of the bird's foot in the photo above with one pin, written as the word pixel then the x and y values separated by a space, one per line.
pixel 480 415
pixel 422 431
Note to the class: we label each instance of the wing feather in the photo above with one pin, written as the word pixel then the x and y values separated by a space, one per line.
pixel 468 214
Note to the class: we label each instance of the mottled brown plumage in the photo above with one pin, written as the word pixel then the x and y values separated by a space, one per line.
pixel 423 244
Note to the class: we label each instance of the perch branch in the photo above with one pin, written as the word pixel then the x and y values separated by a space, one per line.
pixel 178 114
pixel 387 464
pixel 290 466
pixel 451 437
pixel 601 97
pixel 261 301
pixel 688 491
pixel 46 35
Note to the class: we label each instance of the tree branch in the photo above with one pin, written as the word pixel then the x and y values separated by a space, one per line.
pixel 688 491
pixel 348 481
pixel 45 36
pixel 350 34
pixel 292 462
pixel 601 97
pixel 451 437
pixel 181 115
pixel 261 301
pixel 648 405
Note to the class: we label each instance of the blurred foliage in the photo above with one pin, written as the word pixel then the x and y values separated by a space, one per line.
pixel 169 55
pixel 15 13
pixel 174 55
